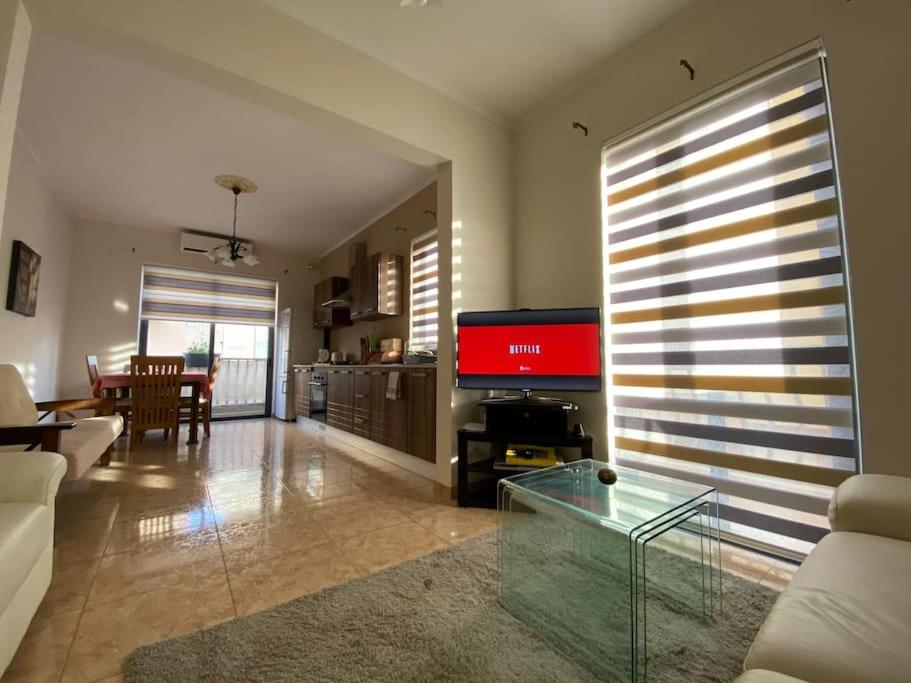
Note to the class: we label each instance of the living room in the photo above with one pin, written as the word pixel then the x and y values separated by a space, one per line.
pixel 528 168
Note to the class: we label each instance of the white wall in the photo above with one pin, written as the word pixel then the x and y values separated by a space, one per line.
pixel 104 292
pixel 558 196
pixel 15 32
pixel 34 216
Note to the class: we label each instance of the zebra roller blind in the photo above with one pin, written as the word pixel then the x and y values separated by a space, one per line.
pixel 181 294
pixel 424 292
pixel 729 341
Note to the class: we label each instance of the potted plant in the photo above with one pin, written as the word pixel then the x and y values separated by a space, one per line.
pixel 197 355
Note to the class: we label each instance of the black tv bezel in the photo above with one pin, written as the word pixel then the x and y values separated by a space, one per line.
pixel 525 316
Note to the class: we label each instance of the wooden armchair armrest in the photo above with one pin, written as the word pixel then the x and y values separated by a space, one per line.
pixel 47 435
pixel 101 406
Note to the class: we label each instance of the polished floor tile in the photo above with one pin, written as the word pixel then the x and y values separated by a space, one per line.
pixel 249 542
pixel 70 585
pixel 109 632
pixel 459 524
pixel 261 585
pixel 42 654
pixel 386 547
pixel 357 518
pixel 156 565
pixel 82 540
pixel 420 502
pixel 130 534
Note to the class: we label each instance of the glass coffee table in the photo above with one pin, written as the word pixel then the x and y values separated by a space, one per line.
pixel 584 563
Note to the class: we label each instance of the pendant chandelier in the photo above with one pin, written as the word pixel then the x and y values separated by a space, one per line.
pixel 233 250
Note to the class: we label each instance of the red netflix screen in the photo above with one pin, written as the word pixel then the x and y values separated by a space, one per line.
pixel 558 349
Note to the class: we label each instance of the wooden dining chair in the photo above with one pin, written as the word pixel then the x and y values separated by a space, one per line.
pixel 205 401
pixel 155 395
pixel 91 364
pixel 121 405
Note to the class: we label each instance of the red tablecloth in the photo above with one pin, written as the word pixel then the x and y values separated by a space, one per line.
pixel 121 380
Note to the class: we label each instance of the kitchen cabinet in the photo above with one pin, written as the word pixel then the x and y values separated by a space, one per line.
pixel 327 318
pixel 422 411
pixel 340 399
pixel 358 402
pixel 361 403
pixel 302 376
pixel 378 286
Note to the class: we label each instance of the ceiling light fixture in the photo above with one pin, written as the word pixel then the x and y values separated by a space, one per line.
pixel 234 250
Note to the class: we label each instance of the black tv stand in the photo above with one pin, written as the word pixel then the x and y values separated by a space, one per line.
pixel 482 492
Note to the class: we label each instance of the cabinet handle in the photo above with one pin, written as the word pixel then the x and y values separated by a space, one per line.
pixel 359 420
pixel 418 374
pixel 360 396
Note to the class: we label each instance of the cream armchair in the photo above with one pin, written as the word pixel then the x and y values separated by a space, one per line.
pixel 846 615
pixel 81 441
pixel 28 486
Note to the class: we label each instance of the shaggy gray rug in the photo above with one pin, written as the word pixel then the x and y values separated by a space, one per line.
pixel 436 618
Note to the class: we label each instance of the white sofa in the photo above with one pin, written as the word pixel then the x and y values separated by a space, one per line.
pixel 846 615
pixel 28 486
pixel 81 441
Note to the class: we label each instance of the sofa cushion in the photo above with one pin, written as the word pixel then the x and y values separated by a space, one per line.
pixel 84 444
pixel 25 530
pixel 16 405
pixel 846 615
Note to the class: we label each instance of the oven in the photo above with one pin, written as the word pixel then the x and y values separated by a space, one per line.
pixel 318 385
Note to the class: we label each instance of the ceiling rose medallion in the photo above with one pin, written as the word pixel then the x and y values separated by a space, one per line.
pixel 234 250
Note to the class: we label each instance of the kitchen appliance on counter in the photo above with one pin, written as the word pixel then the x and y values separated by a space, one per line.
pixel 322 356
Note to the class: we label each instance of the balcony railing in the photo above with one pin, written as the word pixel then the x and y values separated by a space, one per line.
pixel 241 382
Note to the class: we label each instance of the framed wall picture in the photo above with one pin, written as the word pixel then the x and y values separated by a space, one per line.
pixel 22 293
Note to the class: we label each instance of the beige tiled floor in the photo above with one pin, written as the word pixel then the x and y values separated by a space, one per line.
pixel 166 541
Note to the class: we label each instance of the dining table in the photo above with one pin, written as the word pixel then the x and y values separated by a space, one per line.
pixel 114 384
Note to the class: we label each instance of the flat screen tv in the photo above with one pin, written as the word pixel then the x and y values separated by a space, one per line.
pixel 557 350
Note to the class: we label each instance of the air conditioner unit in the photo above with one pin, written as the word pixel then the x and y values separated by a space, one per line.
pixel 195 243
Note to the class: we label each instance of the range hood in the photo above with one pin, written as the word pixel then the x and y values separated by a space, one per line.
pixel 357 252
pixel 341 301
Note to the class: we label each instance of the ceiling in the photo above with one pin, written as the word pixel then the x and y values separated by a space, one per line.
pixel 124 143
pixel 502 57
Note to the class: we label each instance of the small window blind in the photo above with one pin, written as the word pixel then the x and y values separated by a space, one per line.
pixel 424 292
pixel 180 294
pixel 728 324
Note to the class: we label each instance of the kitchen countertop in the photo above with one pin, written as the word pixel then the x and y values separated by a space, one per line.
pixel 372 365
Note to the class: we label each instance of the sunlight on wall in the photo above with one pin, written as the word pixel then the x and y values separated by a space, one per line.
pixel 117 356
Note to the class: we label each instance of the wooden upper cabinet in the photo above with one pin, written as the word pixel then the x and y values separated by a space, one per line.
pixel 379 286
pixel 330 288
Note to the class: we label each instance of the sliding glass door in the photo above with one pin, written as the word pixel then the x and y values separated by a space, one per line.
pixel 242 386
pixel 245 374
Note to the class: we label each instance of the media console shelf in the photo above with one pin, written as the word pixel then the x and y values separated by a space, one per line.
pixel 482 493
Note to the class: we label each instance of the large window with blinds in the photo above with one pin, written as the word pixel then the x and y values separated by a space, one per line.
pixel 424 321
pixel 727 310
